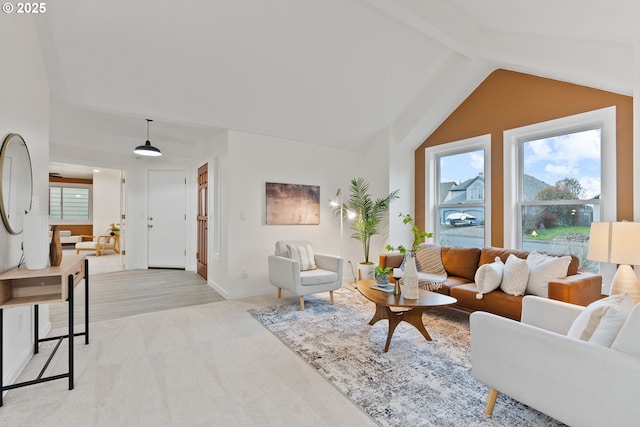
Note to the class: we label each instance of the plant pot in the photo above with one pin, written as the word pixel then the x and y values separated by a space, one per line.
pixel 382 280
pixel 366 271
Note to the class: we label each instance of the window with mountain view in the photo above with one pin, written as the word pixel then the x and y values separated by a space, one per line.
pixel 560 192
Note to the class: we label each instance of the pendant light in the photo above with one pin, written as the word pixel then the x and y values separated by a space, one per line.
pixel 147 149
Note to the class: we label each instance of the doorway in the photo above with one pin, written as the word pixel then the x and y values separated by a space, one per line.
pixel 203 218
pixel 166 220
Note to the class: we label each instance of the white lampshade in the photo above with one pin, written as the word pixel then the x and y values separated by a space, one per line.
pixel 625 243
pixel 599 242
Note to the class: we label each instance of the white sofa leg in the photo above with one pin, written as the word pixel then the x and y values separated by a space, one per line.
pixel 301 303
pixel 491 401
pixel 279 292
pixel 331 296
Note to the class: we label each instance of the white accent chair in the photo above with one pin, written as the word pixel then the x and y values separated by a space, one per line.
pixel 573 381
pixel 284 273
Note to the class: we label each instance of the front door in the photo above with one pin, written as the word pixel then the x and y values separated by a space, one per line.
pixel 167 219
pixel 203 217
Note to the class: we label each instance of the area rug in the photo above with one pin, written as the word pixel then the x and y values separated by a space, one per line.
pixel 416 383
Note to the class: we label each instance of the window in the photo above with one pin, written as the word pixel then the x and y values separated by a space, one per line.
pixel 459 214
pixel 556 183
pixel 70 203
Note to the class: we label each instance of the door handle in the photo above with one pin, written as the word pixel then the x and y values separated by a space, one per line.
pixel 149 225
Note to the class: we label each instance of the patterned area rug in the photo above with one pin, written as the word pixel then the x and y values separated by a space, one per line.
pixel 416 383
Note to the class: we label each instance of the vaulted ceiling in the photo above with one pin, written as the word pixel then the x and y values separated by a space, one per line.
pixel 338 73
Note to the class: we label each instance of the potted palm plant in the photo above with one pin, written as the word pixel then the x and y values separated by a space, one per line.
pixel 369 215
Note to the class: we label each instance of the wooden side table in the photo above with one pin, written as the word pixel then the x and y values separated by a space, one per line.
pixel 19 287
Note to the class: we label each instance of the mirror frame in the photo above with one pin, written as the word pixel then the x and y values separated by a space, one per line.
pixel 14 138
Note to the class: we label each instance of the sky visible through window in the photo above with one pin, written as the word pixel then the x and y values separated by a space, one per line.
pixel 575 155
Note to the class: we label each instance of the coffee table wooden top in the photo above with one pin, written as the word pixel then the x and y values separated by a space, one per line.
pixel 388 299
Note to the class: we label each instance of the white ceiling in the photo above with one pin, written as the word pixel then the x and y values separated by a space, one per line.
pixel 333 72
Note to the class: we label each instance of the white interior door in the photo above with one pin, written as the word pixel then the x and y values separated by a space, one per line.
pixel 167 217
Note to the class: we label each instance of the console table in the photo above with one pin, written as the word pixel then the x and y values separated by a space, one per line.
pixel 19 287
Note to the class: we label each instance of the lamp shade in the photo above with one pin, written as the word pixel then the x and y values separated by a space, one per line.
pixel 147 150
pixel 599 242
pixel 625 243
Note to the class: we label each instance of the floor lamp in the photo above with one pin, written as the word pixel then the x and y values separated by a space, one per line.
pixel 341 208
pixel 618 243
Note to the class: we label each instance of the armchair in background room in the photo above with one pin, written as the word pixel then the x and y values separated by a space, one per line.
pixel 98 244
pixel 295 268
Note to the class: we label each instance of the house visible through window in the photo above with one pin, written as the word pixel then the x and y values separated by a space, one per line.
pixel 69 203
pixel 458 201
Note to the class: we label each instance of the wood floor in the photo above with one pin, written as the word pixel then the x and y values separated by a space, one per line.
pixel 131 292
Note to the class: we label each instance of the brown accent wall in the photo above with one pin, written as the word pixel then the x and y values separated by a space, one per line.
pixel 507 100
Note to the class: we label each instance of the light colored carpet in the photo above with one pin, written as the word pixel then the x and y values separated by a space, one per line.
pixel 417 383
pixel 206 365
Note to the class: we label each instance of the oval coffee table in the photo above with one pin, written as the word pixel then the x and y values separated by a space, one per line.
pixel 385 300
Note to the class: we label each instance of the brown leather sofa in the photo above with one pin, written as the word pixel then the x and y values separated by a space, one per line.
pixel 578 287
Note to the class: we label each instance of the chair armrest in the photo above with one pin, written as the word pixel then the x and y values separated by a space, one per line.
pixel 85 238
pixel 329 263
pixel 284 272
pixel 565 378
pixel 581 289
pixel 551 315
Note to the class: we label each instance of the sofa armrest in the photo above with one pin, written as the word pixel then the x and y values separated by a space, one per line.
pixel 329 263
pixel 391 259
pixel 551 315
pixel 284 272
pixel 565 378
pixel 581 289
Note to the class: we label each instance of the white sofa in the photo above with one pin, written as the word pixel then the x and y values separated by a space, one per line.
pixel 573 381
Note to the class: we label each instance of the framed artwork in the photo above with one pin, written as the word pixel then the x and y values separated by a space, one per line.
pixel 292 204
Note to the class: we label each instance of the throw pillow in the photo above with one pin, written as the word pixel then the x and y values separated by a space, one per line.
pixel 543 269
pixel 488 277
pixel 601 321
pixel 304 255
pixel 515 276
pixel 429 260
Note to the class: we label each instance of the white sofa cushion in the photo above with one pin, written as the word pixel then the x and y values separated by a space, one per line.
pixel 601 321
pixel 543 269
pixel 488 277
pixel 627 340
pixel 304 255
pixel 515 276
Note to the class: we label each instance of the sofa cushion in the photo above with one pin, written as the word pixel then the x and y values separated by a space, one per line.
pixel 488 277
pixel 627 339
pixel 489 254
pixel 543 269
pixel 461 262
pixel 496 302
pixel 601 321
pixel 304 255
pixel 515 276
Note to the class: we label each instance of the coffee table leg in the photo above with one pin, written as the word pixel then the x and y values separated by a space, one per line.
pixel 412 316
pixel 380 314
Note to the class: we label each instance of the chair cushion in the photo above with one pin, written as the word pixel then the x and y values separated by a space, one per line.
pixel 317 277
pixel 86 245
pixel 304 255
pixel 283 251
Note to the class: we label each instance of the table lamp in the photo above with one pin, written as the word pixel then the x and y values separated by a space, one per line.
pixel 618 243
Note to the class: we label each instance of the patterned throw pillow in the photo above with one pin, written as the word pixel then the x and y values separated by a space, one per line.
pixel 515 276
pixel 429 260
pixel 304 255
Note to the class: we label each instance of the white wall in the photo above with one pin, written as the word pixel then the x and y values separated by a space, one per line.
pixel 24 109
pixel 106 200
pixel 252 160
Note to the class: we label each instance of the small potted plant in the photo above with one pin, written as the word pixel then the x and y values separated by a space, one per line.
pixel 114 229
pixel 382 274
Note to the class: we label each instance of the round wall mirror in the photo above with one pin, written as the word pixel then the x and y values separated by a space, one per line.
pixel 17 185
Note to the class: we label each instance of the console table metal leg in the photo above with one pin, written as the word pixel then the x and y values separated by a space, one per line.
pixel 70 332
pixel 36 332
pixel 86 301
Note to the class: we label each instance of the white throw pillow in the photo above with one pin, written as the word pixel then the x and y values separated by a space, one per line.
pixel 304 255
pixel 515 276
pixel 601 321
pixel 543 269
pixel 488 277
